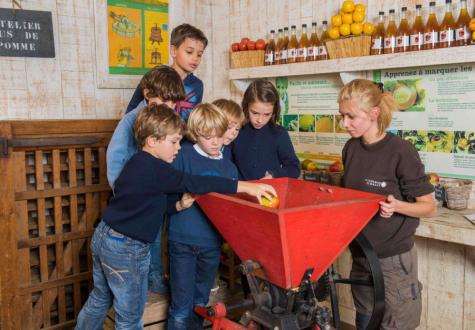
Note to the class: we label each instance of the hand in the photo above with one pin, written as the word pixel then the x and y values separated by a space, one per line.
pixel 185 202
pixel 257 189
pixel 268 176
pixel 388 207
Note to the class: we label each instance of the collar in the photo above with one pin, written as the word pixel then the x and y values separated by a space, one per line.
pixel 204 154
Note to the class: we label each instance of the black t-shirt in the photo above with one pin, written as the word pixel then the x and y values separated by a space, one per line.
pixel 391 166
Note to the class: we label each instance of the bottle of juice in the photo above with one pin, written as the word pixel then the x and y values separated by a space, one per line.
pixel 417 31
pixel 377 39
pixel 270 50
pixel 462 32
pixel 403 33
pixel 293 46
pixel 312 49
pixel 390 34
pixel 322 49
pixel 285 43
pixel 278 47
pixel 431 30
pixel 304 43
pixel 447 27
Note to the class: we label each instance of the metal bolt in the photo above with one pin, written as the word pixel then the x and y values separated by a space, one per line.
pixel 276 328
pixel 322 189
pixel 330 190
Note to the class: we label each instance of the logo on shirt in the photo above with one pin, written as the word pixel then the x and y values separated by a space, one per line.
pixel 184 108
pixel 374 183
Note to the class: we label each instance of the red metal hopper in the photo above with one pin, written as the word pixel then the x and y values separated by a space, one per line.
pixel 313 224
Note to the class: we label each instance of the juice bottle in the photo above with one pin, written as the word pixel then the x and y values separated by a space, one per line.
pixel 431 30
pixel 447 27
pixel 270 50
pixel 304 43
pixel 283 49
pixel 390 34
pixel 278 47
pixel 292 46
pixel 322 49
pixel 417 31
pixel 377 39
pixel 312 49
pixel 403 33
pixel 462 32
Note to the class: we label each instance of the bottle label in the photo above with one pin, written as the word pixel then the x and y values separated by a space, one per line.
pixel 431 37
pixel 302 52
pixel 402 41
pixel 417 39
pixel 312 51
pixel 446 35
pixel 390 42
pixel 322 51
pixel 270 58
pixel 462 33
pixel 278 55
pixel 283 55
pixel 377 43
pixel 292 53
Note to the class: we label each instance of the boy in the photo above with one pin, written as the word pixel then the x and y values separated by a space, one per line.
pixel 194 244
pixel 235 117
pixel 187 46
pixel 121 242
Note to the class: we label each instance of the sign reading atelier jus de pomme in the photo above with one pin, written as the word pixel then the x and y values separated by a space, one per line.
pixel 26 33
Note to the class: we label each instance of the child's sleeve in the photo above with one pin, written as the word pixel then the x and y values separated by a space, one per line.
pixel 289 163
pixel 172 199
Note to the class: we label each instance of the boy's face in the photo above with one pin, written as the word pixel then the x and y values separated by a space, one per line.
pixel 260 113
pixel 210 144
pixel 158 100
pixel 187 56
pixel 232 131
pixel 166 148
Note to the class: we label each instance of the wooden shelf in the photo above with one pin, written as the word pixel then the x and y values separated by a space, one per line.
pixel 443 56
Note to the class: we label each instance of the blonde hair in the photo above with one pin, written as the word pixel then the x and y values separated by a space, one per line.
pixel 157 121
pixel 206 119
pixel 370 95
pixel 231 109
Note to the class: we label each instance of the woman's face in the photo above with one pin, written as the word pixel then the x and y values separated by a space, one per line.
pixel 356 121
pixel 260 113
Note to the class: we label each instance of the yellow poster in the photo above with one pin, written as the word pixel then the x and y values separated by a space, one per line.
pixel 156 39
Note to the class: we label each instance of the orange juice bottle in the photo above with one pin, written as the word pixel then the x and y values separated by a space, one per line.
pixel 293 46
pixel 462 32
pixel 403 33
pixel 417 32
pixel 270 50
pixel 377 39
pixel 312 49
pixel 390 34
pixel 431 30
pixel 304 43
pixel 283 49
pixel 322 49
pixel 447 27
pixel 278 47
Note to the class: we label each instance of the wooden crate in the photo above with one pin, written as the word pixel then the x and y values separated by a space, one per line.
pixel 53 188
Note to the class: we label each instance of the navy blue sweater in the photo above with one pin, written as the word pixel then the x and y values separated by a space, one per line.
pixel 140 195
pixel 256 151
pixel 192 226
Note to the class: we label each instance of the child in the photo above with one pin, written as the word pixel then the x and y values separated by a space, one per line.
pixel 380 162
pixel 121 242
pixel 187 46
pixel 235 117
pixel 263 149
pixel 194 244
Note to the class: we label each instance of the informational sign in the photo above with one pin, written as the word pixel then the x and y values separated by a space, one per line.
pixel 138 35
pixel 26 33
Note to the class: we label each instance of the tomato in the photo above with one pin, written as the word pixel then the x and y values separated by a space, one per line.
pixel 260 44
pixel 251 45
pixel 245 40
pixel 243 45
pixel 235 47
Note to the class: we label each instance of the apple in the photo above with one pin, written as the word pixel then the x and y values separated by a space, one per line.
pixel 235 47
pixel 336 167
pixel 251 45
pixel 312 166
pixel 260 44
pixel 242 46
pixel 433 178
pixel 273 203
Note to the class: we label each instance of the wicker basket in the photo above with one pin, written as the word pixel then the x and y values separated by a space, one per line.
pixel 349 46
pixel 458 193
pixel 246 59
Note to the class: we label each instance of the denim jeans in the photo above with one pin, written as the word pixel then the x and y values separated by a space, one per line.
pixel 120 269
pixel 192 273
pixel 156 276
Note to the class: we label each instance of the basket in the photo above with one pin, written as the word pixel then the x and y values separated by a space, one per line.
pixel 247 58
pixel 349 46
pixel 458 193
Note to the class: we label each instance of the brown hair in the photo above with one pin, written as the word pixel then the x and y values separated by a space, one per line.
pixel 231 109
pixel 261 90
pixel 205 119
pixel 163 82
pixel 370 95
pixel 183 31
pixel 157 121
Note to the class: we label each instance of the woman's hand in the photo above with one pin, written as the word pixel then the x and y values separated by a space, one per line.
pixel 257 189
pixel 424 206
pixel 388 207
pixel 185 202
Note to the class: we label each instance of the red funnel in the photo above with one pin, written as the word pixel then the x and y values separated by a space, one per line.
pixel 313 224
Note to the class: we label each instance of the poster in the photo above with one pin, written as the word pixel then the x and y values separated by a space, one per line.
pixel 137 35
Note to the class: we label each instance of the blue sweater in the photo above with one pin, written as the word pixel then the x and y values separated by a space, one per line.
pixel 140 196
pixel 192 226
pixel 193 96
pixel 256 151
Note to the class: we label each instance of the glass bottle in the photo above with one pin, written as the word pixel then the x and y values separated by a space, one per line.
pixel 278 47
pixel 431 30
pixel 304 43
pixel 312 50
pixel 403 33
pixel 322 49
pixel 270 50
pixel 377 39
pixel 447 27
pixel 293 46
pixel 462 32
pixel 285 43
pixel 417 31
pixel 390 34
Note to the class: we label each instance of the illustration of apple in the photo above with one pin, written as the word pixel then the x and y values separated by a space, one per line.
pixel 273 203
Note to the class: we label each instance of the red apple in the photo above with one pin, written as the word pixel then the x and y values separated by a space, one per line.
pixel 251 45
pixel 242 46
pixel 336 167
pixel 434 178
pixel 260 44
pixel 235 47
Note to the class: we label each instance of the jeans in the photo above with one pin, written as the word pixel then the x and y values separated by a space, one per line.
pixel 120 269
pixel 192 273
pixel 156 277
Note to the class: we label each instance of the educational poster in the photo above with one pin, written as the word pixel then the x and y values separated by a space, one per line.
pixel 436 113
pixel 138 35
pixel 310 115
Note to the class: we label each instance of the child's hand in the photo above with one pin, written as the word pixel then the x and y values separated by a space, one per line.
pixel 388 207
pixel 257 189
pixel 185 202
